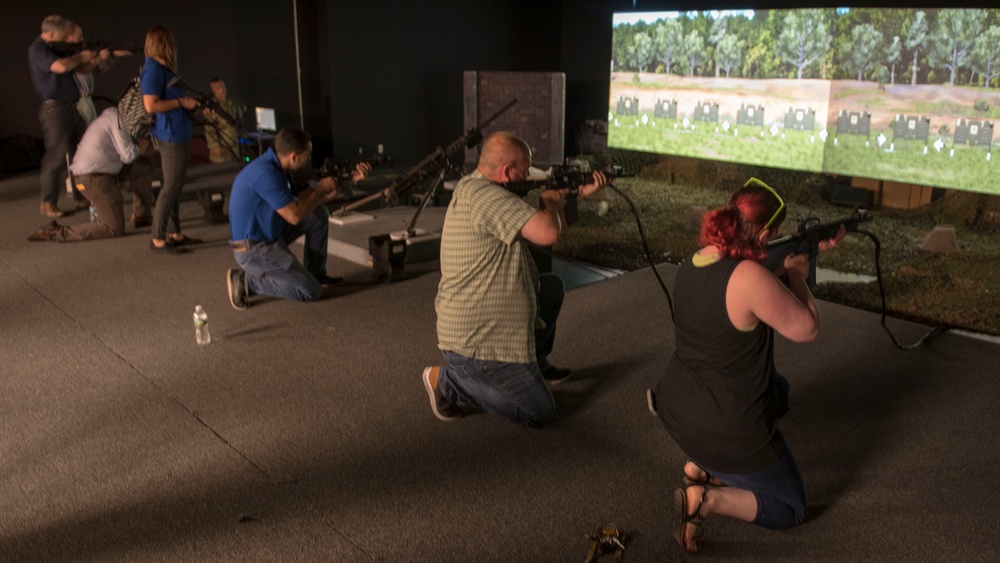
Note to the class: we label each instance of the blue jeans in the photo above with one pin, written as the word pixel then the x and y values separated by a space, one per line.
pixel 780 492
pixel 517 392
pixel 272 270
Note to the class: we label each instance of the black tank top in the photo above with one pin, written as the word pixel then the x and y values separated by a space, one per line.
pixel 718 398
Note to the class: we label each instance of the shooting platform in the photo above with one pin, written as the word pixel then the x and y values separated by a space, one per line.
pixel 353 235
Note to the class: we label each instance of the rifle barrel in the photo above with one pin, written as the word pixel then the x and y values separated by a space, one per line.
pixel 494 117
pixel 432 162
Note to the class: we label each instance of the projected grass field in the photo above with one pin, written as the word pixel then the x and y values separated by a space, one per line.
pixel 894 94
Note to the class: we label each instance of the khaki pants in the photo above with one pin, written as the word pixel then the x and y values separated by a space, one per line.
pixel 106 196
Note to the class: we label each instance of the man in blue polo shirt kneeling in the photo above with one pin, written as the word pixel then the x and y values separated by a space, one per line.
pixel 267 211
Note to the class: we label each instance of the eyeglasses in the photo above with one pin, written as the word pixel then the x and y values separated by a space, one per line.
pixel 781 202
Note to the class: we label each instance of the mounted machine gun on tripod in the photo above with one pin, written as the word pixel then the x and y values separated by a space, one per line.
pixel 388 251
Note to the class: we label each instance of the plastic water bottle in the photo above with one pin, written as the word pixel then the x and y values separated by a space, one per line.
pixel 93 213
pixel 201 334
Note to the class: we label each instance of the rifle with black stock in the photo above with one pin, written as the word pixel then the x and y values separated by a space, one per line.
pixel 809 232
pixel 205 101
pixel 66 49
pixel 565 176
pixel 432 164
pixel 343 168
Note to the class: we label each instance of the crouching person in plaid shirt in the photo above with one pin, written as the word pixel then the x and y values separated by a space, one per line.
pixel 496 315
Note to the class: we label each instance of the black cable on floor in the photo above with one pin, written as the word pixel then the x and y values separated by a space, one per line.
pixel 881 287
pixel 645 247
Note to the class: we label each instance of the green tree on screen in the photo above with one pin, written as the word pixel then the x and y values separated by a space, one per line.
pixel 729 53
pixel 862 51
pixel 986 55
pixel 892 57
pixel 915 38
pixel 694 50
pixel 641 51
pixel 804 39
pixel 953 39
pixel 668 42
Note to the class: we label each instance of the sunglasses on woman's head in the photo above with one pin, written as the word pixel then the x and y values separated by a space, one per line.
pixel 781 202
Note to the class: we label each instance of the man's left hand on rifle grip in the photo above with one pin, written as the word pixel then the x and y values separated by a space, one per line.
pixel 600 181
pixel 360 171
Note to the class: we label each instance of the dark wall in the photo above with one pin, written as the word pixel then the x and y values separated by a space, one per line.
pixel 396 74
pixel 250 43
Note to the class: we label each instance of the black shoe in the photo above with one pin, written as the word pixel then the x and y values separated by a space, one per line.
pixel 236 283
pixel 167 248
pixel 327 281
pixel 184 241
pixel 554 375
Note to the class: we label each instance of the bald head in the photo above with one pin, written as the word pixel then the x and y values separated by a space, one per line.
pixel 505 156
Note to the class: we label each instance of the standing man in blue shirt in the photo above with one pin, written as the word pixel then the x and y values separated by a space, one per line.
pixel 267 211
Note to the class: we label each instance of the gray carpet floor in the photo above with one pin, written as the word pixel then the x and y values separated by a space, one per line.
pixel 303 433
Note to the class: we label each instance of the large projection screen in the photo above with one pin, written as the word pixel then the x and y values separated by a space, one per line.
pixel 908 95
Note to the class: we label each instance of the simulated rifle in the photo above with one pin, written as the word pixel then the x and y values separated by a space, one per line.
pixel 561 177
pixel 431 165
pixel 66 49
pixel 809 232
pixel 342 168
pixel 205 100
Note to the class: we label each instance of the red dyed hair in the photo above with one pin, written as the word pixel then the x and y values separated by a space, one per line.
pixel 735 229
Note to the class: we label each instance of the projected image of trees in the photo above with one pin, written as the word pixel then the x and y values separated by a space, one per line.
pixel 895 94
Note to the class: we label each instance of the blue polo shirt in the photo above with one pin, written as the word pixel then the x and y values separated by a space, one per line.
pixel 172 126
pixel 259 191
pixel 50 85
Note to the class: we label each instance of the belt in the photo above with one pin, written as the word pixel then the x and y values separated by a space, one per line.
pixel 57 103
pixel 242 245
pixel 97 175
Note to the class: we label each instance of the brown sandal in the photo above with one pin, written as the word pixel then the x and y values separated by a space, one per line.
pixel 693 519
pixel 708 481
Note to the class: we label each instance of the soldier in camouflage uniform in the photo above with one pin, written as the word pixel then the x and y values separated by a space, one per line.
pixel 220 135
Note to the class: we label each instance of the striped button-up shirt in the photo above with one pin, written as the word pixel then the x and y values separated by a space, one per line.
pixel 487 299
